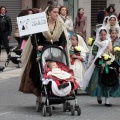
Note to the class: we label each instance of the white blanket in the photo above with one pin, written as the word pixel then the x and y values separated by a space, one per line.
pixel 55 90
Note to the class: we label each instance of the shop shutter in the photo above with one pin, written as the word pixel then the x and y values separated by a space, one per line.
pixel 95 6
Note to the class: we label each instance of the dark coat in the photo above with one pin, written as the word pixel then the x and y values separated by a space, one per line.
pixel 5 24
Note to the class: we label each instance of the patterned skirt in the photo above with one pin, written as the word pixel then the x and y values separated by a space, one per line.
pixel 103 84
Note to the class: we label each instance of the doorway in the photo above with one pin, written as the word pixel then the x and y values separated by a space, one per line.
pixel 95 6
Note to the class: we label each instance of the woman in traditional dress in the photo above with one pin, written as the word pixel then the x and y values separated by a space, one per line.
pixel 30 77
pixel 101 78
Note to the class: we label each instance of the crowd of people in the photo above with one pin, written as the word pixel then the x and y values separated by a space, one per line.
pixel 102 13
pixel 95 70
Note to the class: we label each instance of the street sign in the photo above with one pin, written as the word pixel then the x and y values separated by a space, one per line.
pixel 31 24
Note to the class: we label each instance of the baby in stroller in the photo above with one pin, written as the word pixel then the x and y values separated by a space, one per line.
pixel 61 74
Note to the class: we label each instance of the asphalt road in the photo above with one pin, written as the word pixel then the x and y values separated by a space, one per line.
pixel 15 105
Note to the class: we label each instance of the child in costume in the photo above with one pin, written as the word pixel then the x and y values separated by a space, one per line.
pixel 114 36
pixel 101 78
pixel 77 52
pixel 115 43
pixel 112 22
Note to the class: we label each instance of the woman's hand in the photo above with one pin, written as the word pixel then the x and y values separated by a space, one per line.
pixel 9 37
pixel 40 48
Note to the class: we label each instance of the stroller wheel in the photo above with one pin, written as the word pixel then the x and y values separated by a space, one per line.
pixel 6 63
pixel 37 106
pixel 78 109
pixel 64 107
pixel 20 64
pixel 53 108
pixel 68 106
pixel 72 110
pixel 44 110
pixel 50 110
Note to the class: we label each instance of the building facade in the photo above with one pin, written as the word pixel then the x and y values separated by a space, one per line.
pixel 91 8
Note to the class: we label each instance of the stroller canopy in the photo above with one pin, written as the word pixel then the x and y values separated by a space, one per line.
pixel 53 53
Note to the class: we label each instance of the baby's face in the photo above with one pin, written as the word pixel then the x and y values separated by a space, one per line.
pixel 53 65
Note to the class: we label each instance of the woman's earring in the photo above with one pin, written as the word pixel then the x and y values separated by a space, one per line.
pixel 49 17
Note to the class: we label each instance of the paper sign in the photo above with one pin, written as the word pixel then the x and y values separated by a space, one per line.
pixel 31 24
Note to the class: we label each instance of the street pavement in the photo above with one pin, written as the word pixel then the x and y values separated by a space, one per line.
pixel 15 105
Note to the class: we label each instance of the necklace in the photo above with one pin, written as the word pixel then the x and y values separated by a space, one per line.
pixel 51 31
pixel 52 28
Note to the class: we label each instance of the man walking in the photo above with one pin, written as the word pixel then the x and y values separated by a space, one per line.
pixel 5 29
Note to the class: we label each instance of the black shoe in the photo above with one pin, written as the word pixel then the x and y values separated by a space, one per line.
pixel 108 105
pixel 1 68
pixel 99 101
pixel 62 86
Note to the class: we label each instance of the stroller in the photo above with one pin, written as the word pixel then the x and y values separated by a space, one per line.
pixel 15 57
pixel 50 98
